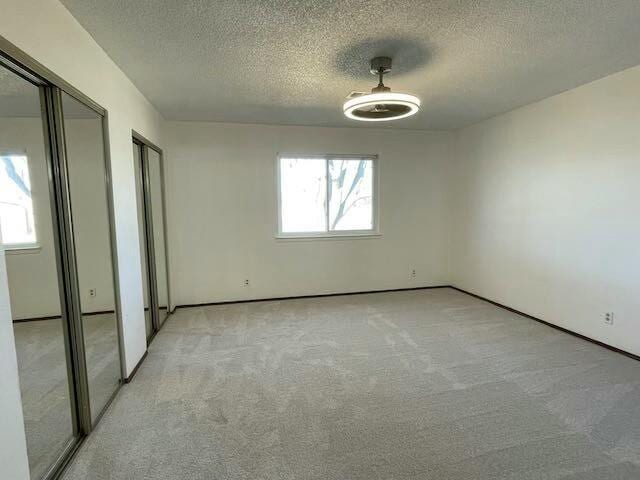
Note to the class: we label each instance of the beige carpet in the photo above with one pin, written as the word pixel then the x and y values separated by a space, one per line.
pixel 44 383
pixel 430 384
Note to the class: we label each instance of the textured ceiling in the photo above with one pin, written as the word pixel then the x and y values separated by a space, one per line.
pixel 18 98
pixel 293 62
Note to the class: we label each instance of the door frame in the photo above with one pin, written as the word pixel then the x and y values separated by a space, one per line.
pixel 152 276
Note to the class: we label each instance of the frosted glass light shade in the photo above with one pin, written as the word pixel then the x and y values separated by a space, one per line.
pixel 380 107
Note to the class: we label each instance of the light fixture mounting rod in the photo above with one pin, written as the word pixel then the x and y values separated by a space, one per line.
pixel 379 66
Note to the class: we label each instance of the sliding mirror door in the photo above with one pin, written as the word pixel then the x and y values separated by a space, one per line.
pixel 151 224
pixel 137 163
pixel 28 229
pixel 156 197
pixel 90 219
pixel 56 236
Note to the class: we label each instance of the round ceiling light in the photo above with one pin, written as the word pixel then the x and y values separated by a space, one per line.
pixel 381 104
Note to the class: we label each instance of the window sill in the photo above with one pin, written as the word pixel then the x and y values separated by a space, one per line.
pixel 324 236
pixel 18 250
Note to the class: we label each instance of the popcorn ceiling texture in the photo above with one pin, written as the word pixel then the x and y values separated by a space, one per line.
pixel 293 62
pixel 20 98
pixel 17 96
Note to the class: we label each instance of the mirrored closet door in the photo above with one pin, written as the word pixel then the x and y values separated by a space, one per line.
pixel 156 201
pixel 40 320
pixel 142 234
pixel 57 238
pixel 89 202
pixel 148 163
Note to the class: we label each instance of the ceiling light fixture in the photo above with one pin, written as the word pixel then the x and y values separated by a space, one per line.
pixel 381 104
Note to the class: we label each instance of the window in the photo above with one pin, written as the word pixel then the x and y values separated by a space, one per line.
pixel 327 195
pixel 17 224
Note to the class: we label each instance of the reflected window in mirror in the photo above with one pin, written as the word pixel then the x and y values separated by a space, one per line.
pixel 17 223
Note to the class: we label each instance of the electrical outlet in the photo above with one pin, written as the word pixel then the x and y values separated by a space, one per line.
pixel 608 318
pixel 246 282
pixel 92 292
pixel 413 273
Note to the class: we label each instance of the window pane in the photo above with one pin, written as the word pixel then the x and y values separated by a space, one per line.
pixel 16 204
pixel 350 194
pixel 302 194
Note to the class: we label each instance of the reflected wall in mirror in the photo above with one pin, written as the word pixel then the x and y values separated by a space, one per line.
pixel 33 266
pixel 90 216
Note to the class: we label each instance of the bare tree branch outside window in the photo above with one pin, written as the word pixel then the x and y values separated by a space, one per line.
pixel 16 203
pixel 326 194
pixel 349 189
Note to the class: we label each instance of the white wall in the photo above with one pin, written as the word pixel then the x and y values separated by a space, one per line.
pixel 13 443
pixel 222 204
pixel 90 213
pixel 547 209
pixel 32 274
pixel 32 291
pixel 45 30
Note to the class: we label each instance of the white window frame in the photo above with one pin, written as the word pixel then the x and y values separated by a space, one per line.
pixel 26 247
pixel 375 204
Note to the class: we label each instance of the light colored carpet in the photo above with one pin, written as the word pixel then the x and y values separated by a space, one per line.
pixel 44 386
pixel 430 384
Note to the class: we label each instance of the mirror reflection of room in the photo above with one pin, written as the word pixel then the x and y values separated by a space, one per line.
pixel 137 164
pixel 157 208
pixel 90 217
pixel 32 271
pixel 43 330
pixel 148 169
